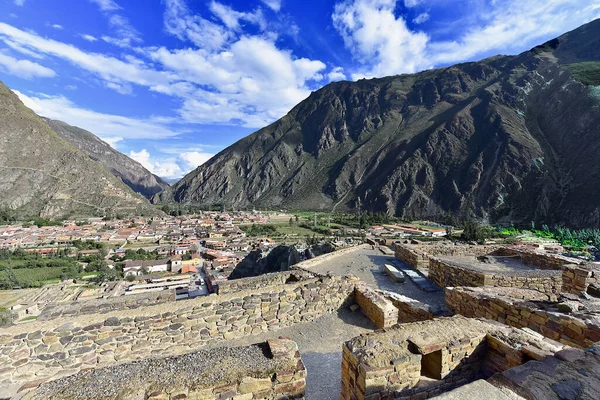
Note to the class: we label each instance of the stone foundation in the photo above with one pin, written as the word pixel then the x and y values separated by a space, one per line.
pixel 271 370
pixel 525 309
pixel 376 307
pixel 424 359
pixel 577 278
pixel 99 306
pixel 263 281
pixel 410 310
pixel 445 273
pixel 542 261
pixel 417 256
pixel 66 345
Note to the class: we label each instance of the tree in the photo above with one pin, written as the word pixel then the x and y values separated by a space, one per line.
pixel 106 274
pixel 130 278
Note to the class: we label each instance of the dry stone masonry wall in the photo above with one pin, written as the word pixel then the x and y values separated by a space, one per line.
pixel 263 281
pixel 65 345
pixel 271 370
pixel 578 278
pixel 424 359
pixel 100 306
pixel 376 307
pixel 449 274
pixel 529 311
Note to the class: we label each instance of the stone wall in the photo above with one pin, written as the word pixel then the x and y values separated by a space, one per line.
pixel 577 278
pixel 263 281
pixel 542 261
pixel 410 310
pixel 446 274
pixel 530 310
pixel 376 307
pixel 417 256
pixel 99 306
pixel 271 370
pixel 65 345
pixel 424 359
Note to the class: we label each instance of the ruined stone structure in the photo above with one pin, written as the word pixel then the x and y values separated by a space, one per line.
pixel 423 359
pixel 69 344
pixel 100 306
pixel 271 370
pixel 451 273
pixel 523 308
pixel 509 315
pixel 417 256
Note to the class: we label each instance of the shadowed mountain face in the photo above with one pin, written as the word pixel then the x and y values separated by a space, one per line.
pixel 42 174
pixel 131 172
pixel 508 138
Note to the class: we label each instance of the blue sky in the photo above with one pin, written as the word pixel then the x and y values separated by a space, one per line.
pixel 172 82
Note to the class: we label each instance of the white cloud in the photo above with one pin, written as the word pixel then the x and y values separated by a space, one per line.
pixel 337 74
pixel 109 68
pixel 57 26
pixel 19 2
pixel 512 26
pixel 89 38
pixel 252 81
pixel 203 33
pixel 371 30
pixel 412 3
pixel 170 167
pixel 423 17
pixel 106 5
pixel 231 18
pixel 274 5
pixel 195 158
pixel 126 34
pixel 384 44
pixel 108 127
pixel 24 68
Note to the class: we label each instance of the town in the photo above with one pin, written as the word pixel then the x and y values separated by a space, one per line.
pixel 188 255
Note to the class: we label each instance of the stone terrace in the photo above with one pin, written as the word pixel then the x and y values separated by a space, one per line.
pixel 423 359
pixel 266 370
pixel 574 321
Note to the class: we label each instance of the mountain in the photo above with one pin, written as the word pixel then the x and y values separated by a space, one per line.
pixel 509 138
pixel 43 175
pixel 132 173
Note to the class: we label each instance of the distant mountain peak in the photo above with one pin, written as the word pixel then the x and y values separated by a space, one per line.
pixel 509 138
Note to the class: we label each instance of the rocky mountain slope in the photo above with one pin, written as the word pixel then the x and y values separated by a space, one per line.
pixel 41 174
pixel 131 172
pixel 507 138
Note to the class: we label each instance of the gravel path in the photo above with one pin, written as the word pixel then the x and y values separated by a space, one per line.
pixel 320 344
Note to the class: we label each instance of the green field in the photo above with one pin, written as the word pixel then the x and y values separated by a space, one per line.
pixel 35 277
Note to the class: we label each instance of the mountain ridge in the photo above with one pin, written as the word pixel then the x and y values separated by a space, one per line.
pixel 480 139
pixel 43 175
pixel 131 172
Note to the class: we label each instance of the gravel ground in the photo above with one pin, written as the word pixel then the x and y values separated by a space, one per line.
pixel 367 264
pixel 320 344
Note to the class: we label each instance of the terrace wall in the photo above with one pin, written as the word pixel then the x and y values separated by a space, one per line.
pixel 263 281
pixel 444 353
pixel 531 310
pixel 271 370
pixel 577 278
pixel 417 256
pixel 446 275
pixel 376 307
pixel 100 306
pixel 72 343
pixel 542 261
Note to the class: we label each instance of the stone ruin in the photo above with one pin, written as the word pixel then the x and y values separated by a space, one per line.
pixel 514 333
